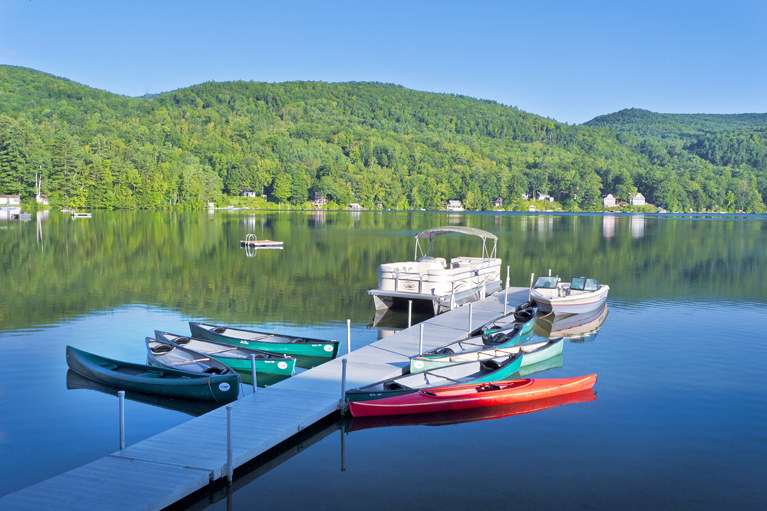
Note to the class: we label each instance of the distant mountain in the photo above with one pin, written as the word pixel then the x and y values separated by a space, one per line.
pixel 646 124
pixel 376 144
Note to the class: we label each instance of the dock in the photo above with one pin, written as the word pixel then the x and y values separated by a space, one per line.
pixel 161 470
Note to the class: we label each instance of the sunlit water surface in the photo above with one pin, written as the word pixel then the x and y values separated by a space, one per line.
pixel 677 423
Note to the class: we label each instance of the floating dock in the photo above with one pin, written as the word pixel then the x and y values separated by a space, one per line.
pixel 161 470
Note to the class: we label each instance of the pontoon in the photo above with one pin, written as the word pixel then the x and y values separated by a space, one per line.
pixel 436 283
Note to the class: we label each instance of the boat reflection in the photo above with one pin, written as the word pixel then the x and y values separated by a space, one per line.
pixel 554 362
pixel 391 321
pixel 576 327
pixel 191 407
pixel 470 415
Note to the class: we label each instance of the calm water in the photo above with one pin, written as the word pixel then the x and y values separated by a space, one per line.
pixel 677 423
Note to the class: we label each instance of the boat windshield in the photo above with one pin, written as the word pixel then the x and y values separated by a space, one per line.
pixel 578 283
pixel 591 285
pixel 546 282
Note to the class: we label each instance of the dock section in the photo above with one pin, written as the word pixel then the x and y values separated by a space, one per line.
pixel 165 468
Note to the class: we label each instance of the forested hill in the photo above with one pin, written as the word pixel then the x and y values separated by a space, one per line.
pixel 370 143
pixel 646 124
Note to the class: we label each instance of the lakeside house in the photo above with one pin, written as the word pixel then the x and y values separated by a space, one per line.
pixel 545 197
pixel 498 203
pixel 10 200
pixel 638 200
pixel 355 205
pixel 319 201
pixel 454 205
pixel 248 193
pixel 609 201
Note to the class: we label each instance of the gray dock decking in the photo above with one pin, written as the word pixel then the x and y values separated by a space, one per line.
pixel 163 469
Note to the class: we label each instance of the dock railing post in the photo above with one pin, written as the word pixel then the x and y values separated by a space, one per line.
pixel 348 336
pixel 505 300
pixel 471 312
pixel 229 468
pixel 121 412
pixel 530 293
pixel 409 313
pixel 420 341
pixel 343 385
pixel 253 371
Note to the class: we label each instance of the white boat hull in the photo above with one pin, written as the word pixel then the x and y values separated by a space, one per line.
pixel 571 304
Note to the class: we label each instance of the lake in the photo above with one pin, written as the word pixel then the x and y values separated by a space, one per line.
pixel 681 401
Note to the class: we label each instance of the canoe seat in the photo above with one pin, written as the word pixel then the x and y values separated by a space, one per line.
pixel 214 370
pixel 161 348
pixel 490 365
pixel 444 351
pixel 393 385
pixel 219 330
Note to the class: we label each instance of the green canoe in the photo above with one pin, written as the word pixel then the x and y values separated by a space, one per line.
pixel 533 353
pixel 234 356
pixel 299 347
pixel 162 381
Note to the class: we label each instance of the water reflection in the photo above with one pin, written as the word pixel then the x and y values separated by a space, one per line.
pixel 470 415
pixel 572 326
pixel 637 226
pixel 191 407
pixel 608 226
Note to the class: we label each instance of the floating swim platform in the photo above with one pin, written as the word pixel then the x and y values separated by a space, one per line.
pixel 252 242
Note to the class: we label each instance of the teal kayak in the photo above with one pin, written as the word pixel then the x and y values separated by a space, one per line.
pixel 476 371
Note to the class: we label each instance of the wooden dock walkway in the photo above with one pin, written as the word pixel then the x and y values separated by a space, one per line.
pixel 165 468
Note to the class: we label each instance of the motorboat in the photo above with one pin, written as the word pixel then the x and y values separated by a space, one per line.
pixel 580 295
pixel 434 282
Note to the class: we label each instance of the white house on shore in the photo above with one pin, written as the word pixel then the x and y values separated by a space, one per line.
pixel 454 205
pixel 10 200
pixel 609 201
pixel 638 200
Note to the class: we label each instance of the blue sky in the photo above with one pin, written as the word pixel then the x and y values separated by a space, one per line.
pixel 567 60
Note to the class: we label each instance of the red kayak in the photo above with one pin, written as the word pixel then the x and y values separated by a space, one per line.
pixel 462 397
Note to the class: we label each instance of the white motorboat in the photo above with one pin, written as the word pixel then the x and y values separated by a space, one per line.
pixel 575 297
pixel 434 281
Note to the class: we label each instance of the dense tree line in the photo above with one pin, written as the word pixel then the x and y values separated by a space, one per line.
pixel 370 143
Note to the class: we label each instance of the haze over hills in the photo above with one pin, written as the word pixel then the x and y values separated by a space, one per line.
pixel 370 143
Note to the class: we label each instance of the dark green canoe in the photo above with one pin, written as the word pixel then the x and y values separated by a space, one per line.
pixel 154 380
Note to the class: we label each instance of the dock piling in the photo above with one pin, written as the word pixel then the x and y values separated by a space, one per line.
pixel 121 413
pixel 420 341
pixel 471 312
pixel 229 468
pixel 253 370
pixel 343 385
pixel 409 313
pixel 348 336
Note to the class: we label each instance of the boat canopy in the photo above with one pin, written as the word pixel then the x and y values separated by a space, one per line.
pixel 432 233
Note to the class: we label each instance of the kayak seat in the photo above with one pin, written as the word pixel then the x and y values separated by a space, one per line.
pixel 161 348
pixel 213 370
pixel 393 385
pixel 443 351
pixel 182 340
pixel 487 386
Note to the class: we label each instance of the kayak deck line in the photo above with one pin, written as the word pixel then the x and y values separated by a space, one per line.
pixel 161 470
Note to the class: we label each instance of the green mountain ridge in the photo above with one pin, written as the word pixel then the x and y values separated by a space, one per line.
pixel 372 143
